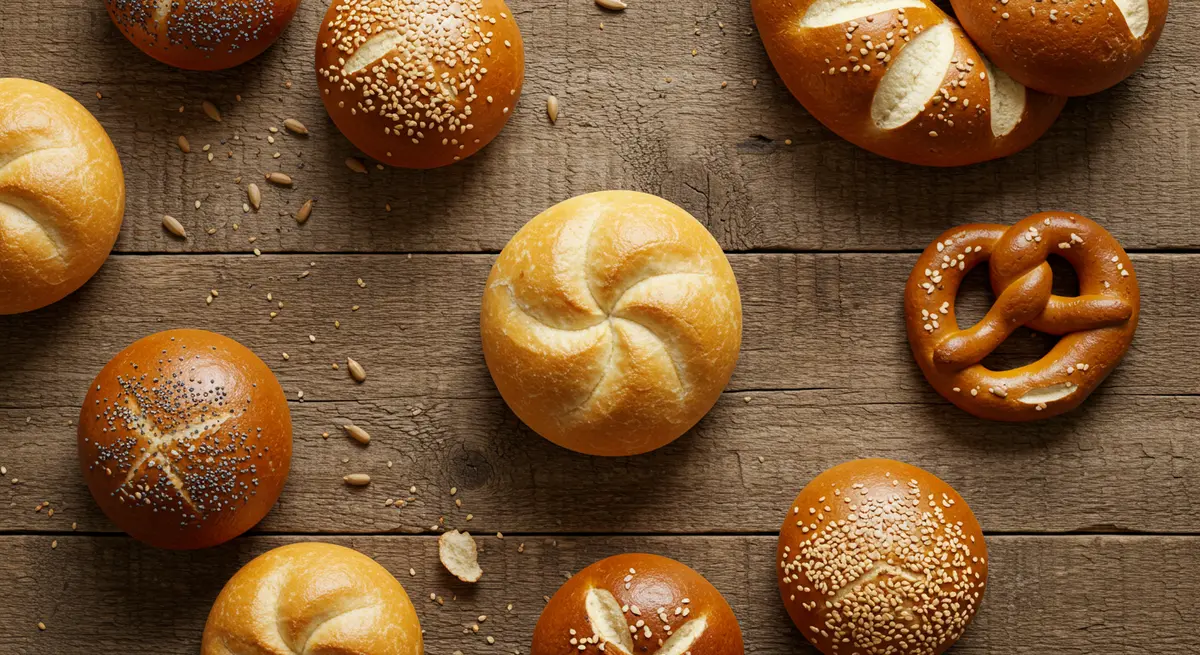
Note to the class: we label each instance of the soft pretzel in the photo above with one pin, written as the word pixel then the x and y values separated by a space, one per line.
pixel 901 79
pixel 1067 47
pixel 1096 327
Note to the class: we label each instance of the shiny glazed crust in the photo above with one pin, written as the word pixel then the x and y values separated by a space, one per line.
pixel 1097 327
pixel 611 323
pixel 62 195
pixel 835 67
pixel 437 86
pixel 879 557
pixel 312 598
pixel 650 594
pixel 202 34
pixel 1070 47
pixel 185 439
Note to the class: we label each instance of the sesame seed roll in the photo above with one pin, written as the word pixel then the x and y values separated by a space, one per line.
pixel 420 83
pixel 202 34
pixel 185 439
pixel 877 557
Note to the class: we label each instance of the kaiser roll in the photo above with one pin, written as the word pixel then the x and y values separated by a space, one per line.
pixel 1068 47
pixel 62 195
pixel 878 557
pixel 420 83
pixel 637 604
pixel 611 323
pixel 312 598
pixel 202 34
pixel 185 439
pixel 901 79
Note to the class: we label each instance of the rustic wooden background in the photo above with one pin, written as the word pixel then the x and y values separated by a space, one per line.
pixel 1092 519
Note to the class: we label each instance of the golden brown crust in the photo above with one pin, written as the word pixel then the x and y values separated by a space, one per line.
pixel 879 557
pixel 1070 47
pixel 185 439
pixel 611 323
pixel 312 598
pixel 202 34
pixel 62 195
pixel 440 82
pixel 656 599
pixel 1097 326
pixel 834 62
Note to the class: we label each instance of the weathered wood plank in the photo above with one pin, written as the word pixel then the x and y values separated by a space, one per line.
pixel 639 111
pixel 811 322
pixel 1122 464
pixel 1072 595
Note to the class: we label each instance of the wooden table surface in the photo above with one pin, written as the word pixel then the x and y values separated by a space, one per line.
pixel 1093 519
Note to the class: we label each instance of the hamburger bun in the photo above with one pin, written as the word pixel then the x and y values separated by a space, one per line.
pixel 611 323
pixel 420 84
pixel 62 195
pixel 1065 48
pixel 202 34
pixel 877 556
pixel 185 439
pixel 312 598
pixel 634 604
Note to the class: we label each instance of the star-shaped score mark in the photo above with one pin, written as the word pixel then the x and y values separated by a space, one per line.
pixel 161 449
pixel 615 636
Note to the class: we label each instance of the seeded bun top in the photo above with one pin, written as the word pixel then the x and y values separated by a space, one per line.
pixel 420 84
pixel 185 439
pixel 202 34
pixel 879 557
pixel 633 604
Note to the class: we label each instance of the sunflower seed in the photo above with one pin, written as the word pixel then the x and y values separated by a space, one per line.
pixel 296 126
pixel 360 435
pixel 211 111
pixel 184 145
pixel 357 479
pixel 255 196
pixel 305 212
pixel 552 108
pixel 614 5
pixel 356 370
pixel 282 179
pixel 174 226
pixel 356 165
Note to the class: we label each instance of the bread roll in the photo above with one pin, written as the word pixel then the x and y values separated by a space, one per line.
pixel 312 598
pixel 202 34
pixel 185 439
pixel 420 84
pixel 879 557
pixel 611 323
pixel 1066 48
pixel 62 195
pixel 637 604
pixel 900 78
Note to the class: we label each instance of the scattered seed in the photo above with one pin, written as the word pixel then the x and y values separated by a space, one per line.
pixel 255 196
pixel 360 435
pixel 211 111
pixel 552 108
pixel 41 626
pixel 305 212
pixel 356 370
pixel 295 126
pixel 184 145
pixel 173 226
pixel 613 5
pixel 282 179
pixel 356 165
pixel 357 479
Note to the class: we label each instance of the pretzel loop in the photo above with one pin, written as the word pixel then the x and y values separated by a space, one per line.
pixel 1096 327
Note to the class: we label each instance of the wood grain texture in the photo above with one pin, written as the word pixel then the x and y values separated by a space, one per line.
pixel 1044 594
pixel 639 111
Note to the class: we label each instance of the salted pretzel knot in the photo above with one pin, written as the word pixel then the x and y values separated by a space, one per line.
pixel 1096 327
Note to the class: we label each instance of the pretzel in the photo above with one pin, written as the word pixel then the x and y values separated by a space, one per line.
pixel 1096 327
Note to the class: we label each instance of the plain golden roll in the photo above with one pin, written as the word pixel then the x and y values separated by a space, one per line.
pixel 878 557
pixel 611 323
pixel 637 604
pixel 420 83
pixel 312 598
pixel 185 439
pixel 62 195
